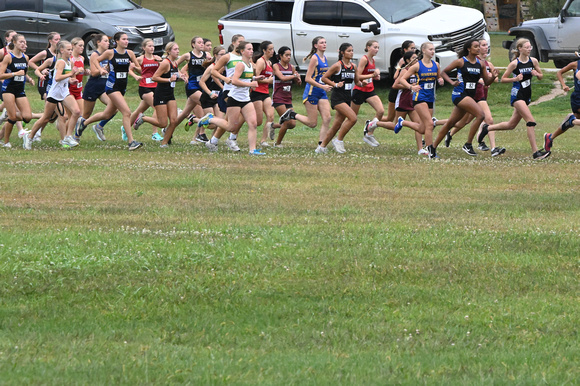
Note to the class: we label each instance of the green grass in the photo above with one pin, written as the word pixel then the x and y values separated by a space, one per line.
pixel 372 267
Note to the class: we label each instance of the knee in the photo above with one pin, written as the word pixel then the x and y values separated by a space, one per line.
pixel 27 117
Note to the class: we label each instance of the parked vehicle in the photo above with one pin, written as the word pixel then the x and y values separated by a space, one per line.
pixel 296 23
pixel 554 38
pixel 35 19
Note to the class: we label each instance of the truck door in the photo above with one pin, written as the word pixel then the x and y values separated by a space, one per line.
pixel 312 19
pixel 349 31
pixel 568 31
pixel 22 17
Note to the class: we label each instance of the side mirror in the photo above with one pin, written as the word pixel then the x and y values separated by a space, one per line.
pixel 69 15
pixel 370 26
pixel 563 16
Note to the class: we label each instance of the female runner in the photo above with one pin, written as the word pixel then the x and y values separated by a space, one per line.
pixel 284 76
pixel 120 59
pixel 341 77
pixel 13 71
pixel 64 71
pixel 261 95
pixel 78 62
pixel 523 68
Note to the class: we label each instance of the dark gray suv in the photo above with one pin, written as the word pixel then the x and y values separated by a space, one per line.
pixel 35 19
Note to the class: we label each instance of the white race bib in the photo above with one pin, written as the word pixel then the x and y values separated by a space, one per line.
pixel 104 76
pixel 80 85
pixel 148 81
pixel 121 75
pixel 198 78
pixel 427 86
pixel 526 83
pixel 172 84
pixel 19 78
pixel 287 88
pixel 470 85
pixel 348 86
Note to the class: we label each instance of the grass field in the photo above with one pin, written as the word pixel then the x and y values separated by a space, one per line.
pixel 372 267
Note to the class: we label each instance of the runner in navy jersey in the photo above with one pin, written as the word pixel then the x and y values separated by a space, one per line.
pixel 572 119
pixel 469 71
pixel 520 72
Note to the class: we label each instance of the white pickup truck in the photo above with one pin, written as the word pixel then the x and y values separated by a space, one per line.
pixel 296 23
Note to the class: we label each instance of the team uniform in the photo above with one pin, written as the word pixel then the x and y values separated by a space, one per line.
pixel 313 94
pixel 240 96
pixel 96 85
pixel 361 94
pixel 343 94
pixel 282 94
pixel 195 70
pixel 118 71
pixel 206 101
pixel 2 81
pixel 426 78
pixel 148 69
pixel 164 92
pixel 262 92
pixel 58 91
pixel 522 90
pixel 468 77
pixel 230 69
pixel 404 100
pixel 44 84
pixel 575 97
pixel 481 89
pixel 16 84
pixel 76 90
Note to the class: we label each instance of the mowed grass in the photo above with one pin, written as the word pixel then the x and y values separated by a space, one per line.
pixel 372 267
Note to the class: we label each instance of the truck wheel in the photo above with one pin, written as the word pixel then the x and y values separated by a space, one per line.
pixel 512 55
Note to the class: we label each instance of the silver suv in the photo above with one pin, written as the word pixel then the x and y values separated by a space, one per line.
pixel 35 19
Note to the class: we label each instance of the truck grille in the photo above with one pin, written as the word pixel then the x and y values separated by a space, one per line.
pixel 454 40
pixel 153 31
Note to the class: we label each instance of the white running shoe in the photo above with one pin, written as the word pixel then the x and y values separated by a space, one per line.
pixel 370 140
pixel 212 147
pixel 3 117
pixel 338 146
pixel 7 145
pixel 37 137
pixel 22 133
pixel 264 144
pixel 232 144
pixel 70 141
pixel 26 142
pixel 321 150
pixel 423 152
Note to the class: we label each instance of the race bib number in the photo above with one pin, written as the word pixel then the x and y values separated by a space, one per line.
pixel 470 85
pixel 104 76
pixel 348 86
pixel 172 84
pixel 19 78
pixel 526 83
pixel 121 75
pixel 148 81
pixel 428 86
pixel 198 78
pixel 287 88
pixel 80 85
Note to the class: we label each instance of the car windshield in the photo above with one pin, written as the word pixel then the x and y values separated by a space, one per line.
pixel 397 11
pixel 105 6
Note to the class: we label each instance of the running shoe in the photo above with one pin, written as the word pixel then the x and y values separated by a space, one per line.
pixel 139 121
pixel 189 122
pixel 399 125
pixel 568 123
pixel 135 145
pixel 22 133
pixel 37 136
pixel 204 121
pixel 370 140
pixel 232 144
pixel 100 132
pixel 27 142
pixel 271 130
pixel 80 127
pixel 482 146
pixel 321 150
pixel 497 151
pixel 211 146
pixel 201 138
pixel 338 146
pixel 123 134
pixel 264 144
pixel 3 117
pixel 541 154
pixel 7 145
pixel 548 142
pixel 434 122
pixel 257 152
pixel 448 138
pixel 468 148
pixel 278 145
pixel 483 132
pixel 70 141
pixel 432 152
pixel 423 152
pixel 157 137
pixel 287 116
pixel 164 146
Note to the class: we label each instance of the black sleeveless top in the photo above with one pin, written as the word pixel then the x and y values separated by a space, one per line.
pixel 346 75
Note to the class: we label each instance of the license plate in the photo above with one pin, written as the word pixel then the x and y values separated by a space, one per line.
pixel 158 41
